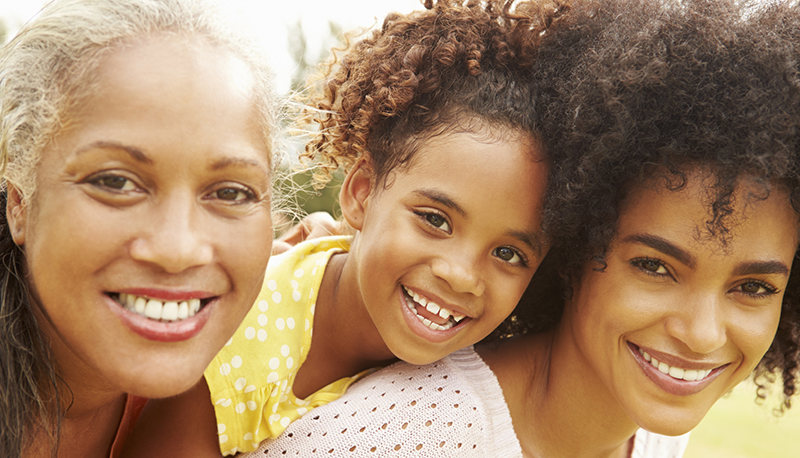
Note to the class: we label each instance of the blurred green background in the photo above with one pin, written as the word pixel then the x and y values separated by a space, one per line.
pixel 738 427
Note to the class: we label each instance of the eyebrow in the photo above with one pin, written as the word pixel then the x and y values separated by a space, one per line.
pixel 664 246
pixel 441 198
pixel 140 156
pixel 135 153
pixel 761 268
pixel 234 161
pixel 532 239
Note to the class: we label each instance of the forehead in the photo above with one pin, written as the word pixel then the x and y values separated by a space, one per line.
pixel 167 85
pixel 176 66
pixel 759 215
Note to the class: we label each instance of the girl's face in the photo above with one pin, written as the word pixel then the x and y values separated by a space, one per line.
pixel 158 195
pixel 676 320
pixel 446 251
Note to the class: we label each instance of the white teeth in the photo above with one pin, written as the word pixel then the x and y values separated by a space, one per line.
pixel 433 308
pixel 139 305
pixel 690 375
pixel 153 309
pixel 183 310
pixel 170 311
pixel 160 310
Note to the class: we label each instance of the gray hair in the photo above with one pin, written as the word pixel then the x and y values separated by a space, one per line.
pixel 50 67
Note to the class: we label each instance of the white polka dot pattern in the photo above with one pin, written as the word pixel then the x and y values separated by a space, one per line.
pixel 250 379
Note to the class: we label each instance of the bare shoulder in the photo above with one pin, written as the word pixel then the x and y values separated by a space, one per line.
pixel 514 361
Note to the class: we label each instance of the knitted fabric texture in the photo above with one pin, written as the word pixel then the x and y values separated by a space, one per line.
pixel 451 408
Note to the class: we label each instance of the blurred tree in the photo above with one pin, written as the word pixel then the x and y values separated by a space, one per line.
pixel 297 185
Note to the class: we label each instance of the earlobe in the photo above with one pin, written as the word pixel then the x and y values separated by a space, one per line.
pixel 16 214
pixel 354 196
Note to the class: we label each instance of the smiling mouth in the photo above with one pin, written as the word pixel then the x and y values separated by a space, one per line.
pixel 444 318
pixel 689 375
pixel 167 311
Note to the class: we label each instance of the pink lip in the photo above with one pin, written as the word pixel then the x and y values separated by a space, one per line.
pixel 669 384
pixel 418 328
pixel 159 331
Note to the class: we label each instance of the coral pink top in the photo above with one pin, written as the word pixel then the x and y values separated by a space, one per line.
pixel 133 407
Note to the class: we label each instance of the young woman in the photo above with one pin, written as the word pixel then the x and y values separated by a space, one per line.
pixel 135 142
pixel 675 215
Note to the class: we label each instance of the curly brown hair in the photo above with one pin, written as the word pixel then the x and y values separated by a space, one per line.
pixel 660 89
pixel 456 65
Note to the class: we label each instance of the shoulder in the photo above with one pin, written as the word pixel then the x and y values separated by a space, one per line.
pixel 447 408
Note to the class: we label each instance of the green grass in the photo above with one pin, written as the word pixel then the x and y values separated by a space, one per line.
pixel 737 427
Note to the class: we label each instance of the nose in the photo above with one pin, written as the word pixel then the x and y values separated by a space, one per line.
pixel 461 271
pixel 172 236
pixel 699 323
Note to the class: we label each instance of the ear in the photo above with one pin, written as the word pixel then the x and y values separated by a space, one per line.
pixel 355 192
pixel 16 214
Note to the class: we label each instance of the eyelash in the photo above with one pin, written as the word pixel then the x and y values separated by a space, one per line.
pixel 637 262
pixel 424 215
pixel 96 180
pixel 523 260
pixel 770 290
pixel 250 196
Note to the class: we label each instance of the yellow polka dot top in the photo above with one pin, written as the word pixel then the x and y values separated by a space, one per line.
pixel 251 378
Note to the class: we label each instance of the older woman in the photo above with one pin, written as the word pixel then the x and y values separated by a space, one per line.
pixel 135 145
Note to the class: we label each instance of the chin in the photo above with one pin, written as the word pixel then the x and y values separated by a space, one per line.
pixel 156 387
pixel 670 424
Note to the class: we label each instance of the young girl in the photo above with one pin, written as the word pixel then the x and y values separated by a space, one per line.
pixel 678 220
pixel 444 187
pixel 136 162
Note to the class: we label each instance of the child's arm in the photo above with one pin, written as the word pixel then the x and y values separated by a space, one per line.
pixel 184 425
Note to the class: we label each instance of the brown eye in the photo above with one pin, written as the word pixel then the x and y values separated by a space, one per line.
pixel 113 182
pixel 652 266
pixel 230 194
pixel 506 254
pixel 435 220
pixel 509 255
pixel 751 287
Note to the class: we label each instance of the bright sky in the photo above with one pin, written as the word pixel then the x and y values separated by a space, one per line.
pixel 271 20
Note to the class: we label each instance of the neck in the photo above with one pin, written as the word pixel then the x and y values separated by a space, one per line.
pixel 345 340
pixel 558 406
pixel 91 410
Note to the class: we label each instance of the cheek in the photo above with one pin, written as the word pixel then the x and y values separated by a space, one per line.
pixel 245 247
pixel 754 332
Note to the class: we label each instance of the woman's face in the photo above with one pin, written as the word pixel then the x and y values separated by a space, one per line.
pixel 676 320
pixel 158 194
